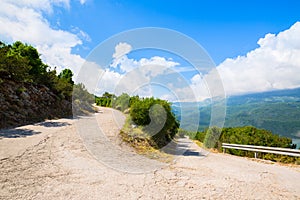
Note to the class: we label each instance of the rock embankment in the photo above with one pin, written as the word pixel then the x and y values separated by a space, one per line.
pixel 24 103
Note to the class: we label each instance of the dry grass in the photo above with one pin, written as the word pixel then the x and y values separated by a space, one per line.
pixel 141 142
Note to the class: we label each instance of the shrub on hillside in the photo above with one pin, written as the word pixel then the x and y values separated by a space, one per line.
pixel 156 117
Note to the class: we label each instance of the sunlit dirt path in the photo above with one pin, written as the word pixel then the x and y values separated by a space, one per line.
pixel 51 160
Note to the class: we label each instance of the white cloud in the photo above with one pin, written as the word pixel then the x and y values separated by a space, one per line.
pixel 121 49
pixel 156 60
pixel 275 64
pixel 60 56
pixel 158 64
pixel 108 82
pixel 24 21
pixel 131 75
pixel 125 63
pixel 38 5
pixel 120 59
pixel 169 97
pixel 81 34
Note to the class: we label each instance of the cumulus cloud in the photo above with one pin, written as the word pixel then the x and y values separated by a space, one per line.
pixel 25 21
pixel 121 49
pixel 157 60
pixel 275 64
pixel 132 75
pixel 199 88
pixel 125 64
pixel 121 59
pixel 108 82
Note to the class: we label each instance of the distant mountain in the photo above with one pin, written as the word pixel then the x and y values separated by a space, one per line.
pixel 277 111
pixel 289 95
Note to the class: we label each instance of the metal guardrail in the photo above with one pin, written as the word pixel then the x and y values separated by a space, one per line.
pixel 274 150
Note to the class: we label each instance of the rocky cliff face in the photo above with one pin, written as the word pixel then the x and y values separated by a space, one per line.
pixel 24 103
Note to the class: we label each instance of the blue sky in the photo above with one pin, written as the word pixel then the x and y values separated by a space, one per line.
pixel 254 44
pixel 224 28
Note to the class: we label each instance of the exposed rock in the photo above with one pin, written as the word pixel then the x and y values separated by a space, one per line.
pixel 22 104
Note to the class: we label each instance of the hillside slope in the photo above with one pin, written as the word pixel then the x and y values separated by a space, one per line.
pixel 24 103
pixel 277 111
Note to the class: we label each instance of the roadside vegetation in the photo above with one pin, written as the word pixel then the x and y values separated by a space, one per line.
pixel 213 138
pixel 22 63
pixel 150 123
pixel 32 91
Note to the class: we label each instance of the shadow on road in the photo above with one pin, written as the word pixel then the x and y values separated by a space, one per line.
pixel 182 147
pixel 53 124
pixel 191 153
pixel 17 133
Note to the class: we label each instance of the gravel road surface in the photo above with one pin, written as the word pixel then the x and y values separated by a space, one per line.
pixel 67 159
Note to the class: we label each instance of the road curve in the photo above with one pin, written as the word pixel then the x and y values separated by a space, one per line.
pixel 51 160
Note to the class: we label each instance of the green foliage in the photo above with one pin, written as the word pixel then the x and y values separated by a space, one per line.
pixel 105 100
pixel 37 69
pixel 63 83
pixel 161 116
pixel 254 136
pixel 82 100
pixel 13 66
pixel 139 111
pixel 279 117
pixel 277 111
pixel 211 137
pixel 121 102
pixel 138 139
pixel 21 62
pixel 153 117
pixel 248 135
pixel 200 136
pixel 67 76
pixel 64 88
pixel 133 100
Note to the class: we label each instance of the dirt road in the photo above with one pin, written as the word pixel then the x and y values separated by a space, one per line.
pixel 56 160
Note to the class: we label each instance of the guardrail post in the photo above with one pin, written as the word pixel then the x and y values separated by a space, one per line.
pixel 263 149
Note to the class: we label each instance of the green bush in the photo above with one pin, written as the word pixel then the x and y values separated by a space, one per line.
pixel 161 116
pixel 248 135
pixel 121 102
pixel 200 136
